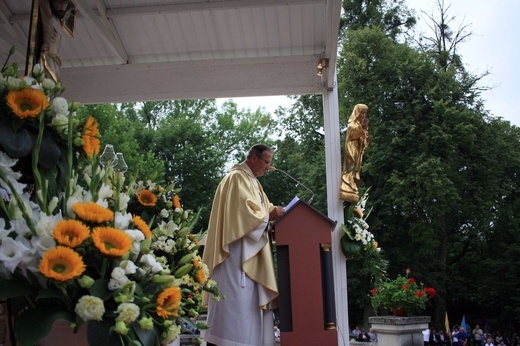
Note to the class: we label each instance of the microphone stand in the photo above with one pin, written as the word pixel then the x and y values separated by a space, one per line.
pixel 297 182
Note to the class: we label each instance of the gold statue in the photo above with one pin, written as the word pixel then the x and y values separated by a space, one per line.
pixel 355 144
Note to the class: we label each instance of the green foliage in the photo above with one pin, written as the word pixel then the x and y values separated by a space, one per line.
pixel 392 17
pixel 188 142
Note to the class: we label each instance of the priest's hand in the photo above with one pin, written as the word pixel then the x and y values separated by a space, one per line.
pixel 276 213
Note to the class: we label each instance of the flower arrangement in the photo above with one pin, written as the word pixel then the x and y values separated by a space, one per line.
pixel 84 247
pixel 357 236
pixel 403 293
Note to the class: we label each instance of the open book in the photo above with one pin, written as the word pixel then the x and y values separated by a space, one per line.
pixel 291 203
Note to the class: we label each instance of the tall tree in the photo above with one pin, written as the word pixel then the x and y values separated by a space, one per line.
pixel 392 17
pixel 431 178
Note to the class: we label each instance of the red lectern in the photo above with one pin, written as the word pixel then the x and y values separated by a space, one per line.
pixel 305 280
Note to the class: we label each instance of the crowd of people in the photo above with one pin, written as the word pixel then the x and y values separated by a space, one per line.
pixel 364 336
pixel 476 336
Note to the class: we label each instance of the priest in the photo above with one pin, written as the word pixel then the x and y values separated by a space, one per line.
pixel 238 255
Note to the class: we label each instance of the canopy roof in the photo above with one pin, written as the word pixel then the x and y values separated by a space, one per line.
pixel 149 50
pixel 144 50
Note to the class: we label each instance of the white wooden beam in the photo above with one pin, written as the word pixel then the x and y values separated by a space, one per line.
pixel 202 6
pixel 331 40
pixel 192 80
pixel 335 207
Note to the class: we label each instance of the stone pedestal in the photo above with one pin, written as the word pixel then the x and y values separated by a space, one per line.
pixel 399 331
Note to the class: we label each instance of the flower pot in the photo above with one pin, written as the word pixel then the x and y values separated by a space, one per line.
pixel 62 334
pixel 399 312
pixel 349 247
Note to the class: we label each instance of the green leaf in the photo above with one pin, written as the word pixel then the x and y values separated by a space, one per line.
pixel 349 247
pixel 14 288
pixel 99 334
pixel 49 151
pixel 147 337
pixel 100 290
pixel 34 324
pixel 16 144
pixel 49 293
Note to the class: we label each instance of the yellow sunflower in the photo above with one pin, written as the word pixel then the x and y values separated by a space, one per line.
pixel 143 227
pixel 168 302
pixel 90 137
pixel 93 212
pixel 176 201
pixel 61 263
pixel 147 198
pixel 27 103
pixel 111 241
pixel 70 233
pixel 200 276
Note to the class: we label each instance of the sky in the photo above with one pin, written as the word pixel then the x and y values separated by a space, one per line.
pixel 494 46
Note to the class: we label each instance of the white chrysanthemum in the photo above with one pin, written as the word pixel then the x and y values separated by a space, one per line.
pixel 121 221
pixel 60 123
pixel 48 84
pixel 60 107
pixel 172 333
pixel 363 224
pixel 137 237
pixel 164 213
pixel 119 274
pixel 37 70
pixel 128 312
pixel 128 266
pixel 90 308
pixel 165 244
pixel 15 83
pixel 114 285
pixel 150 263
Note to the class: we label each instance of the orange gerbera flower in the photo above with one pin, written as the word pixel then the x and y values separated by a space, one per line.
pixel 92 212
pixel 176 201
pixel 90 137
pixel 200 276
pixel 193 238
pixel 196 263
pixel 61 263
pixel 70 233
pixel 147 198
pixel 143 227
pixel 27 103
pixel 168 302
pixel 111 241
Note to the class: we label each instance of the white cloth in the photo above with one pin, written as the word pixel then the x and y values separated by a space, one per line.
pixel 245 323
pixel 240 309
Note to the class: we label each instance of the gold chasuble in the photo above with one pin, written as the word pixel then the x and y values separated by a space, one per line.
pixel 237 210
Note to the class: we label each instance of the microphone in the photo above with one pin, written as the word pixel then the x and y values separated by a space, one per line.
pixel 273 169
